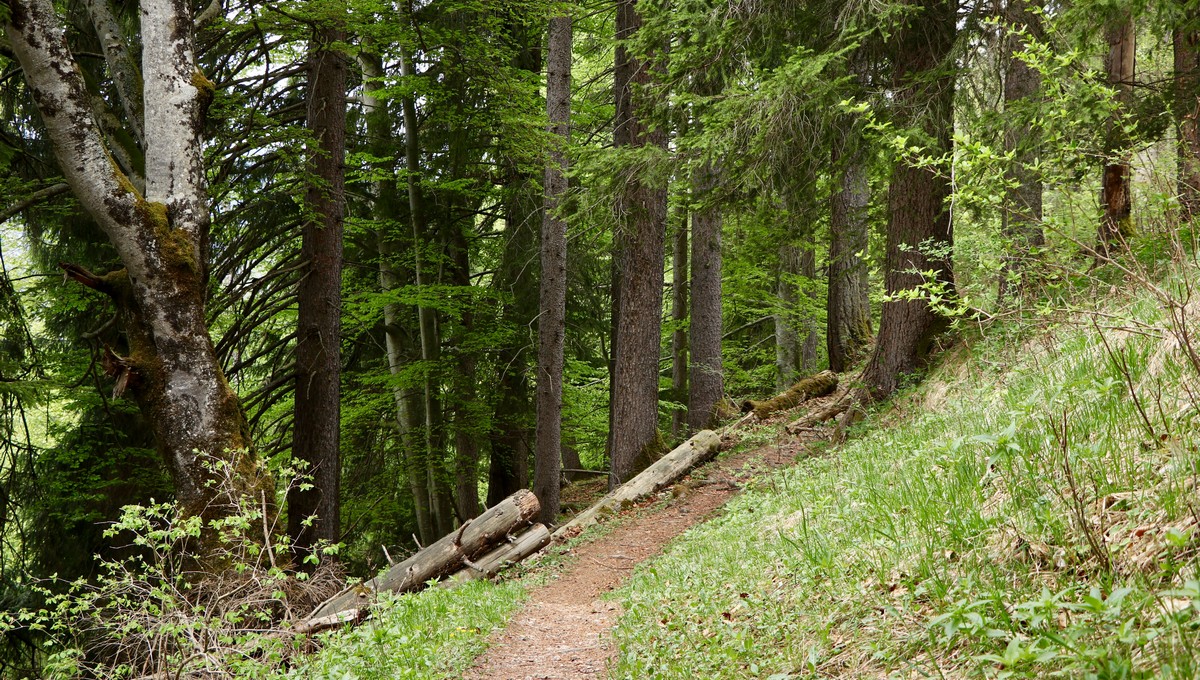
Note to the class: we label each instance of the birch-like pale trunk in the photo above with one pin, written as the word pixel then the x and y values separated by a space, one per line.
pixel 169 365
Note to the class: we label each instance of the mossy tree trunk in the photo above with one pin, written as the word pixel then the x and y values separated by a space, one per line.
pixel 169 366
pixel 848 310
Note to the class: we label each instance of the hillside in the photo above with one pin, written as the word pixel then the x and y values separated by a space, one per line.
pixel 1028 510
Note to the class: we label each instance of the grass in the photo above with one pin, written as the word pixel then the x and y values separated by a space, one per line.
pixel 1018 516
pixel 436 633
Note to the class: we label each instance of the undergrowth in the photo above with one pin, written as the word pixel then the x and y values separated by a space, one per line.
pixel 1031 511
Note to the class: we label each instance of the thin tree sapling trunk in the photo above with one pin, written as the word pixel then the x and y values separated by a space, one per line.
pixel 1116 195
pixel 1021 219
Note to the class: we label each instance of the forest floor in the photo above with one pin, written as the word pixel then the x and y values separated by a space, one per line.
pixel 563 630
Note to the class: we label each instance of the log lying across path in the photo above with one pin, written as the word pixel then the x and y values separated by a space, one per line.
pixel 811 387
pixel 514 550
pixel 499 537
pixel 664 472
pixel 471 542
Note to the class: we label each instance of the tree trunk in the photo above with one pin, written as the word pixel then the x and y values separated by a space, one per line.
pixel 441 514
pixel 706 375
pixel 847 308
pixel 399 344
pixel 1116 191
pixel 467 428
pixel 553 295
pixel 917 200
pixel 317 423
pixel 1021 219
pixel 639 243
pixel 787 338
pixel 679 317
pixel 1187 115
pixel 171 368
pixel 512 551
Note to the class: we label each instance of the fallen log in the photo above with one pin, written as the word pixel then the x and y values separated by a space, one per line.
pixel 664 472
pixel 446 556
pixel 818 385
pixel 512 551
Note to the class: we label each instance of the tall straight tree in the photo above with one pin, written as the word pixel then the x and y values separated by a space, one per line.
pixel 400 342
pixel 317 426
pixel 1186 39
pixel 847 308
pixel 919 236
pixel 1116 195
pixel 169 364
pixel 1021 220
pixel 547 461
pixel 639 242
pixel 426 316
pixel 706 374
pixel 679 317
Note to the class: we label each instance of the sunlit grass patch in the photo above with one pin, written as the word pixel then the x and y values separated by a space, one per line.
pixel 436 633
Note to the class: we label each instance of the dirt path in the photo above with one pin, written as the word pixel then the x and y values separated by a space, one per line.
pixel 563 631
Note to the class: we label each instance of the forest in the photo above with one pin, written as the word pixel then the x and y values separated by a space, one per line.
pixel 292 293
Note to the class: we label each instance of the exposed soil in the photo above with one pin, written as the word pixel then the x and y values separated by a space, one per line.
pixel 563 631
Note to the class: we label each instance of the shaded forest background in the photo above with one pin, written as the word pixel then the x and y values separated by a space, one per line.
pixel 453 249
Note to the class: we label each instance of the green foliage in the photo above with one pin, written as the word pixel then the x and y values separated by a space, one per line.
pixel 433 634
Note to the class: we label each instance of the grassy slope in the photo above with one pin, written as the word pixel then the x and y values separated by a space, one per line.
pixel 1013 517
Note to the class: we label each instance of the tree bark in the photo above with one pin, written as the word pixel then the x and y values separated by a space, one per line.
pixel 547 475
pixel 122 67
pixel 314 509
pixel 1021 219
pixel 171 368
pixel 706 374
pixel 512 551
pixel 1116 189
pixel 1187 114
pixel 848 310
pixel 639 243
pixel 919 234
pixel 787 337
pixel 679 317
